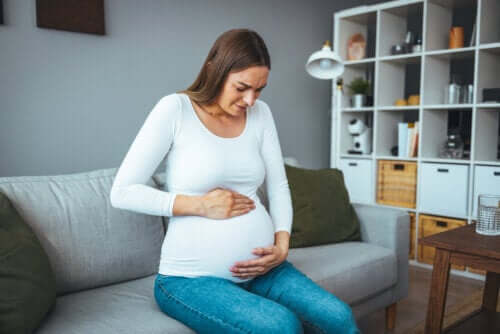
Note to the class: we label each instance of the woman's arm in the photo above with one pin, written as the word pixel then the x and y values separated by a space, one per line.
pixel 278 191
pixel 130 190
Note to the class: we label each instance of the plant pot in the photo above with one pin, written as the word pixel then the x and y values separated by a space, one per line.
pixel 358 100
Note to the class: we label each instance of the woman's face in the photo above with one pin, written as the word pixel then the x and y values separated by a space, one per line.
pixel 241 89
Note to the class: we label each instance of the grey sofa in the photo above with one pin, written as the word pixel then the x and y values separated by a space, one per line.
pixel 105 259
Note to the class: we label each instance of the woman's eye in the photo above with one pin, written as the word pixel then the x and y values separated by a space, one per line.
pixel 240 89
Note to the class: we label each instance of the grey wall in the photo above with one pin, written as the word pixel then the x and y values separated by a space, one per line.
pixel 73 102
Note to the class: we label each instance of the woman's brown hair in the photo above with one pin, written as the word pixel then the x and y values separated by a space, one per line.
pixel 233 51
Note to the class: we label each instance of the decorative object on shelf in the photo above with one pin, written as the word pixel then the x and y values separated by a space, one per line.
pixel 339 92
pixel 398 49
pixel 414 100
pixel 361 137
pixel 452 90
pixel 473 36
pixel 356 47
pixel 76 16
pixel 456 37
pixel 417 47
pixel 410 44
pixel 408 41
pixel 325 63
pixel 488 222
pixel 491 95
pixel 401 103
pixel 394 151
pixel 359 88
pixel 453 147
pixel 468 94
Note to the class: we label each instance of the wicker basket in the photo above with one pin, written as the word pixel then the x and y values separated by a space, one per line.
pixel 413 235
pixel 397 183
pixel 429 225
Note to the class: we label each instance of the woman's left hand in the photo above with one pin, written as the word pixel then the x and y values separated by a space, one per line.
pixel 270 257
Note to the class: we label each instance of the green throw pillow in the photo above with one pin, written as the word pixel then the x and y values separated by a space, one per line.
pixel 27 283
pixel 322 212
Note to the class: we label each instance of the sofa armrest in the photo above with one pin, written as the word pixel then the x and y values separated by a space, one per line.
pixel 389 228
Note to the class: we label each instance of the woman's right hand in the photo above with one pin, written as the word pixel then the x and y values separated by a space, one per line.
pixel 224 203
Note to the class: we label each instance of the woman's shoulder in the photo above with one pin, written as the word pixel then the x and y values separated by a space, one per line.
pixel 169 105
pixel 171 101
pixel 261 110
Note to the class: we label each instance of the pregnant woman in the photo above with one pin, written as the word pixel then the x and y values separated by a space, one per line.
pixel 223 266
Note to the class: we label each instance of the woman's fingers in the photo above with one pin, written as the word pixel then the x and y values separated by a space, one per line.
pixel 238 198
pixel 240 212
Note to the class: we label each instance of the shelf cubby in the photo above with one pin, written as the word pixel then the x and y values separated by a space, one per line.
pixel 442 15
pixel 387 123
pixel 365 70
pixel 490 25
pixel 487 135
pixel 436 125
pixel 438 71
pixel 489 72
pixel 397 80
pixel 346 141
pixel 395 22
pixel 364 24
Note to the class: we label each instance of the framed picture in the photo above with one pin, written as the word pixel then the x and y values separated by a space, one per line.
pixel 85 16
pixel 1 12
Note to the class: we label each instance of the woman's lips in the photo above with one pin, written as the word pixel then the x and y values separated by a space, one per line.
pixel 241 108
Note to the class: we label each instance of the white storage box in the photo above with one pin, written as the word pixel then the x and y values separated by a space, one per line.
pixel 444 189
pixel 486 181
pixel 358 176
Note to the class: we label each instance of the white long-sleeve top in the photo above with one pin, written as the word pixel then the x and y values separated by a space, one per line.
pixel 198 161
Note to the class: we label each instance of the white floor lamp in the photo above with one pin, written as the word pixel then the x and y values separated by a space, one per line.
pixel 326 64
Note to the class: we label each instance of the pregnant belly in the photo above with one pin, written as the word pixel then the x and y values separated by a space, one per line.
pixel 196 246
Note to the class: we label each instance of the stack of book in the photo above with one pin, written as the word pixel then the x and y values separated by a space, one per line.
pixel 407 140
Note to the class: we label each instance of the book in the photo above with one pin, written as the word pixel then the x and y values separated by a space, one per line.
pixel 402 139
pixel 413 152
pixel 409 139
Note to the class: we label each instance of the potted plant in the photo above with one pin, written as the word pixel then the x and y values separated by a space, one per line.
pixel 359 88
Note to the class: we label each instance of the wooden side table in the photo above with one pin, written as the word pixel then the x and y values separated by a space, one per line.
pixel 463 246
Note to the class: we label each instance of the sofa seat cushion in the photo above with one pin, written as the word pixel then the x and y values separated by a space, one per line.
pixel 127 307
pixel 353 271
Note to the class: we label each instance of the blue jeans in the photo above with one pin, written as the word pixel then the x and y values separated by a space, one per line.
pixel 283 300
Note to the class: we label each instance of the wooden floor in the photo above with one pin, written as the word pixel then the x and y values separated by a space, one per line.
pixel 411 310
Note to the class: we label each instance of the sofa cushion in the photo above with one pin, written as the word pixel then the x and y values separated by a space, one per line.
pixel 130 307
pixel 353 271
pixel 322 213
pixel 89 243
pixel 127 307
pixel 27 283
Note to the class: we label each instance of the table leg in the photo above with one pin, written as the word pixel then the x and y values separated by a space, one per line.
pixel 490 294
pixel 437 296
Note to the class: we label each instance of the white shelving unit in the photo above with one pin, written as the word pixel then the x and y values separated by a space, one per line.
pixel 426 73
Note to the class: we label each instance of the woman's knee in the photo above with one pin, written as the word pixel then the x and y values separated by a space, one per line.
pixel 343 316
pixel 282 320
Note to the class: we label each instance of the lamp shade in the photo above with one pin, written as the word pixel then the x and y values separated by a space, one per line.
pixel 325 64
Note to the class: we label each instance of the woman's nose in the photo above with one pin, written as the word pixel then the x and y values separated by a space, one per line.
pixel 250 98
